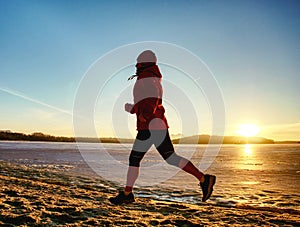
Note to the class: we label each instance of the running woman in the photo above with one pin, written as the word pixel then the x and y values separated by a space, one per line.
pixel 152 129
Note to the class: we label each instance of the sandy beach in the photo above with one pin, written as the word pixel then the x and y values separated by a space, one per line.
pixel 31 196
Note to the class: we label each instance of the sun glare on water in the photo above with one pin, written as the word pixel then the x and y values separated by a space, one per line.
pixel 248 130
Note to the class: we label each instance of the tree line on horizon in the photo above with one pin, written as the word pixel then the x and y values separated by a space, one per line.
pixel 39 136
pixel 36 136
pixel 197 139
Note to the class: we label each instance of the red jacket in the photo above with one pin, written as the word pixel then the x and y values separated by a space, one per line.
pixel 147 93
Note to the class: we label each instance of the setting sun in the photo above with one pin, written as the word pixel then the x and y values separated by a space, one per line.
pixel 248 130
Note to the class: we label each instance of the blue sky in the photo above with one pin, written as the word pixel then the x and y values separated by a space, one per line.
pixel 252 47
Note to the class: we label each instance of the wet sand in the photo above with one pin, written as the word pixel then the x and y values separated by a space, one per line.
pixel 44 196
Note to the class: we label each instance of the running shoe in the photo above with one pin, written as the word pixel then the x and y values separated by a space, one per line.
pixel 122 198
pixel 207 186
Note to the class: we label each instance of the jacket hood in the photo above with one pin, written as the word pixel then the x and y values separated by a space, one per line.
pixel 147 69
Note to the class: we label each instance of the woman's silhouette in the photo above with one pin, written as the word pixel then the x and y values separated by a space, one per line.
pixel 152 129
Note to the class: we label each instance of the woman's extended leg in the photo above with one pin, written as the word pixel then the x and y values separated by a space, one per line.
pixel 140 147
pixel 132 175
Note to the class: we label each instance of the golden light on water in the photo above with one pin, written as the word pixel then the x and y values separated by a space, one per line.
pixel 247 149
pixel 248 130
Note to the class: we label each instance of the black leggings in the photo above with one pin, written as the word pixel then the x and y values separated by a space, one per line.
pixel 161 140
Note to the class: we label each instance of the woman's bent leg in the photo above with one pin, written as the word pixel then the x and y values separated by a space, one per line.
pixel 166 150
pixel 189 167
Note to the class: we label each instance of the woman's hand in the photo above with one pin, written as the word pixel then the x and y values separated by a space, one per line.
pixel 128 107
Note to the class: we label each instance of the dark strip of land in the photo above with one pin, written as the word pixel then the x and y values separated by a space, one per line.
pixel 197 139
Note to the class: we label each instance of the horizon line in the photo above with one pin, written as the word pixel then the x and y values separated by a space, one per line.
pixel 178 138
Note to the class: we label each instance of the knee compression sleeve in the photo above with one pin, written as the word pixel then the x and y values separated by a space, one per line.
pixel 135 158
pixel 172 159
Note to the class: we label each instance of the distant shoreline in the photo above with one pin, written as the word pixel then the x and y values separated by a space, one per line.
pixel 197 139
